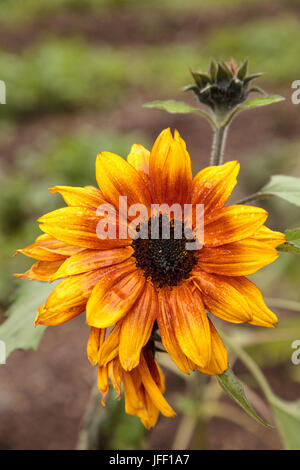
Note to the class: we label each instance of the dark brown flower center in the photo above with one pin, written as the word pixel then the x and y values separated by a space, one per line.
pixel 165 259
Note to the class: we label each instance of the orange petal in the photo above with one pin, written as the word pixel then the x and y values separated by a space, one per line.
pixel 135 400
pixel 77 226
pixel 110 347
pixel 41 271
pixel 165 322
pixel 221 298
pixel 238 258
pixel 47 248
pixel 170 169
pixel 68 299
pixel 95 341
pixel 80 197
pixel 137 327
pixel 114 295
pixel 89 260
pixel 232 223
pixel 139 159
pixel 153 390
pixel 262 315
pixel 102 382
pixel 191 324
pixel 219 358
pixel 264 234
pixel 116 178
pixel 213 185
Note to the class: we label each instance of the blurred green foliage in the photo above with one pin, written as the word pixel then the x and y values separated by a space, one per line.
pixel 59 75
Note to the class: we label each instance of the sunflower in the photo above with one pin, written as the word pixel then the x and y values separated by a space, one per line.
pixel 144 287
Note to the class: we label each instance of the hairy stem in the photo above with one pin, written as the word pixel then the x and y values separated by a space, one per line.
pixel 218 145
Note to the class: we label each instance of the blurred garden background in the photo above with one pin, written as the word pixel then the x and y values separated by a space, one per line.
pixel 77 74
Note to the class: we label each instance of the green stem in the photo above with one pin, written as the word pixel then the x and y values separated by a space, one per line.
pixel 251 366
pixel 218 145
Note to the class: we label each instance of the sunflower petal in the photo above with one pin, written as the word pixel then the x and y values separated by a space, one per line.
pixel 239 258
pixel 80 197
pixel 114 295
pixel 139 159
pixel 137 327
pixel 262 315
pixel 232 223
pixel 213 185
pixel 110 347
pixel 68 299
pixel 95 341
pixel 88 260
pixel 153 389
pixel 77 226
pixel 221 298
pixel 168 336
pixel 116 178
pixel 170 169
pixel 264 234
pixel 41 271
pixel 47 248
pixel 191 324
pixel 219 358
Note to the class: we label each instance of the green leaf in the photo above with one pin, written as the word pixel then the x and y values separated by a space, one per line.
pixel 17 331
pixel 178 107
pixel 287 416
pixel 261 101
pixel 172 106
pixel 292 244
pixel 231 385
pixel 286 187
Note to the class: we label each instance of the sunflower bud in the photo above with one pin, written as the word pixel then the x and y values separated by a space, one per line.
pixel 224 86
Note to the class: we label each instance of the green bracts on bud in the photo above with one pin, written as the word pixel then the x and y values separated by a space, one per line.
pixel 224 86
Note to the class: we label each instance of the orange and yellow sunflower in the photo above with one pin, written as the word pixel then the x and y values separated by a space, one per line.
pixel 135 289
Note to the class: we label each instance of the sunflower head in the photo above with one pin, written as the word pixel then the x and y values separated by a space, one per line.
pixel 224 86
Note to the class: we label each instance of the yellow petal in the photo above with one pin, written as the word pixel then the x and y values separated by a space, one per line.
pixel 110 347
pixel 77 197
pixel 77 226
pixel 213 185
pixel 238 258
pixel 114 296
pixel 41 271
pixel 191 324
pixel 153 390
pixel 221 298
pixel 165 322
pixel 264 234
pixel 95 341
pixel 139 159
pixel 116 178
pixel 232 223
pixel 170 170
pixel 262 315
pixel 89 260
pixel 47 248
pixel 219 358
pixel 137 327
pixel 69 298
